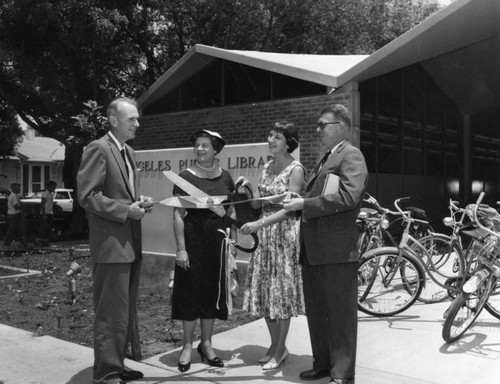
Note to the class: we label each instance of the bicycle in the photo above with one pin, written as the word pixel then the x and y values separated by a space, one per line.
pixel 374 224
pixel 463 236
pixel 391 279
pixel 482 279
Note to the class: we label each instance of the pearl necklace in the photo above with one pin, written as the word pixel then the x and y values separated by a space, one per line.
pixel 206 169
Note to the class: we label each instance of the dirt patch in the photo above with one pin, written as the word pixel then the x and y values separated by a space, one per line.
pixel 44 305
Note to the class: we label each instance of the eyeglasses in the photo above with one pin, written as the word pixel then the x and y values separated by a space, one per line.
pixel 321 125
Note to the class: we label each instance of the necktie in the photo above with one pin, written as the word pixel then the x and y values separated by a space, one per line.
pixel 130 173
pixel 322 161
pixel 125 161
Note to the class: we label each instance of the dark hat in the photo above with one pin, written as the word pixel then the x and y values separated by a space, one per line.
pixel 217 140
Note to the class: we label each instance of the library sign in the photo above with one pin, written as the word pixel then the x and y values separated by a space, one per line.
pixel 240 160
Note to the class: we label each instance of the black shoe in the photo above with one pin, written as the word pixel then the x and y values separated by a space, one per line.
pixel 183 367
pixel 215 362
pixel 343 381
pixel 312 374
pixel 129 375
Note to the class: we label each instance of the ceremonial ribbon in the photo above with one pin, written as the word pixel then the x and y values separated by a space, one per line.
pixel 229 262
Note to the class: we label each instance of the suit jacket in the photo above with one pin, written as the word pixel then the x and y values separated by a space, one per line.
pixel 328 225
pixel 104 192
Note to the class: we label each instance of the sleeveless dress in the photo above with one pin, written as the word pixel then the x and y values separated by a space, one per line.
pixel 273 285
pixel 200 291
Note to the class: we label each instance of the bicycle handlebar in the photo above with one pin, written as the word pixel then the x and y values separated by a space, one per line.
pixel 474 213
pixel 406 214
pixel 454 205
pixel 373 201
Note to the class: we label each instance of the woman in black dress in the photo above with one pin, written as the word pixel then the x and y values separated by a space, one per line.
pixel 199 284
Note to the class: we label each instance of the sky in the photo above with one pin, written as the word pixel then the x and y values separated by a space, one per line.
pixel 445 2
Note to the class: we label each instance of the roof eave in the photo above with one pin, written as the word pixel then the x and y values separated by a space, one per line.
pixel 419 43
pixel 201 55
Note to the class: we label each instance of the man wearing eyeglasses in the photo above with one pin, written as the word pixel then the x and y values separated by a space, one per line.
pixel 330 205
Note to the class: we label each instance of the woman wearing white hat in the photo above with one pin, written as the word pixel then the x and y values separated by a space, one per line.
pixel 199 285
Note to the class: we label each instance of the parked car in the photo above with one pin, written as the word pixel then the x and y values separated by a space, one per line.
pixel 63 208
pixel 63 197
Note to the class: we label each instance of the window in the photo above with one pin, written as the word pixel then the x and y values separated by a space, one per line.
pixel 411 138
pixel 35 178
pixel 228 83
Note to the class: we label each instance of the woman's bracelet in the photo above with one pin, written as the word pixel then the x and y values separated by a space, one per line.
pixel 262 223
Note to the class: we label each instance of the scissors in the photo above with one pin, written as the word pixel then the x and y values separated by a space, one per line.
pixel 199 199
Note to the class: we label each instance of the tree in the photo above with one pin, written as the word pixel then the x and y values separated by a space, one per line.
pixel 295 26
pixel 10 131
pixel 56 55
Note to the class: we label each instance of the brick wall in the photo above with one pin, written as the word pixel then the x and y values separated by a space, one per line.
pixel 248 123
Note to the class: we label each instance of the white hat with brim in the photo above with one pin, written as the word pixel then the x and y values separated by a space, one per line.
pixel 213 134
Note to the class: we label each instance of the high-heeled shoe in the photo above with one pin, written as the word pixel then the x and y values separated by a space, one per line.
pixel 183 366
pixel 264 359
pixel 215 362
pixel 269 365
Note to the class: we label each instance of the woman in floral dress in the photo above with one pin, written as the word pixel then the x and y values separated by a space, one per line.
pixel 274 280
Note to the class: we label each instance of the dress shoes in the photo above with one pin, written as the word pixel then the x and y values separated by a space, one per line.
pixel 270 365
pixel 264 359
pixel 215 362
pixel 129 375
pixel 312 374
pixel 343 381
pixel 183 366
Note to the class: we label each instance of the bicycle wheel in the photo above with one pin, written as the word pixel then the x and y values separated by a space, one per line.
pixel 367 242
pixel 493 302
pixel 363 240
pixel 382 289
pixel 443 260
pixel 464 311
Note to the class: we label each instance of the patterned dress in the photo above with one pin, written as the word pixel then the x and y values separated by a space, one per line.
pixel 274 278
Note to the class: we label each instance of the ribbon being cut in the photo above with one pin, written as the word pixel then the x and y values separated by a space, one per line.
pixel 198 199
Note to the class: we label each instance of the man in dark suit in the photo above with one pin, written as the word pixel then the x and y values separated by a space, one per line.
pixel 108 191
pixel 331 203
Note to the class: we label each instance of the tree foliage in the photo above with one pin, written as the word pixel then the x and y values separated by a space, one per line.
pixel 10 131
pixel 57 54
pixel 62 60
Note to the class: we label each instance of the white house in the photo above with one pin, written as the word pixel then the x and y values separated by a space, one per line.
pixel 38 160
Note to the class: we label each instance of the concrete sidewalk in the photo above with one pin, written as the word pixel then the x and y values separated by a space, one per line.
pixel 404 349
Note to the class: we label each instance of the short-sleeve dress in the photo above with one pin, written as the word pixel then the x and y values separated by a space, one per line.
pixel 273 285
pixel 199 291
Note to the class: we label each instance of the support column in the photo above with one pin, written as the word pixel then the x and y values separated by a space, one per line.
pixel 466 182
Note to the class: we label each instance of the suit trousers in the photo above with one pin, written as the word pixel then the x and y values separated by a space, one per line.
pixel 115 296
pixel 330 294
